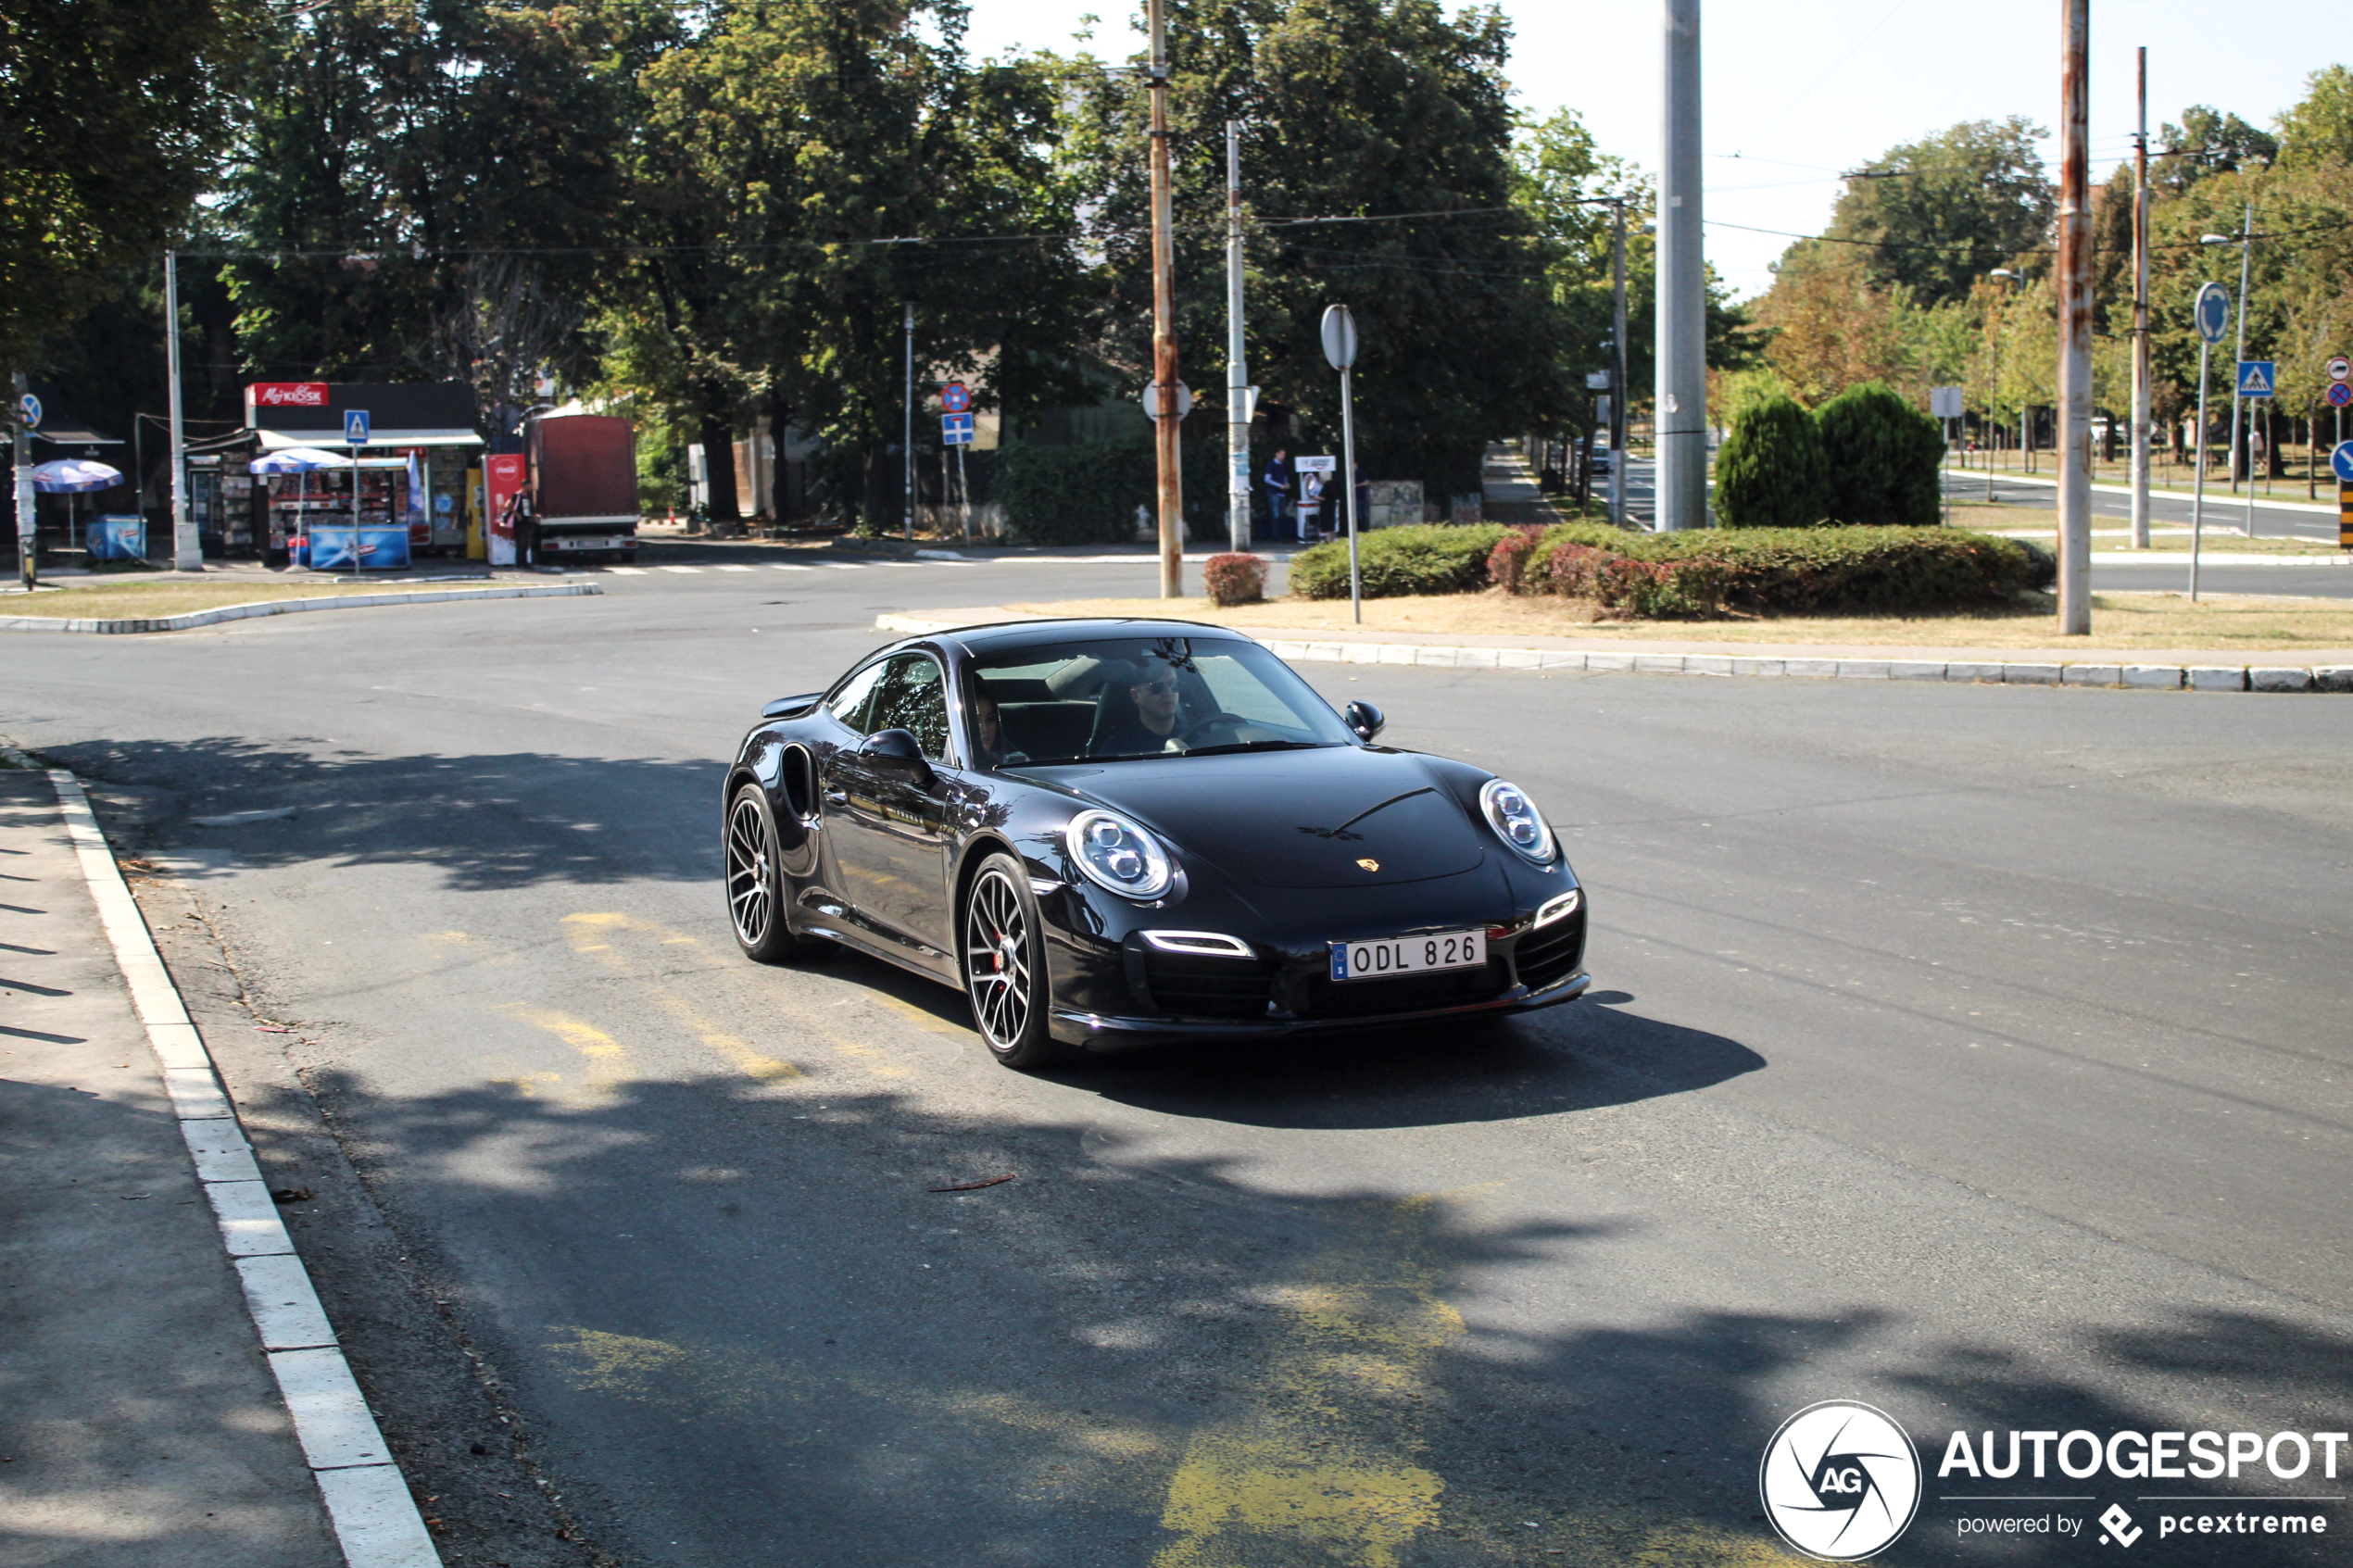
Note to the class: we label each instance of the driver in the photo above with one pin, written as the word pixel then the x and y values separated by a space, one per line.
pixel 1155 725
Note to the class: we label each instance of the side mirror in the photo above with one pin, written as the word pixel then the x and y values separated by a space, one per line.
pixel 1364 719
pixel 895 751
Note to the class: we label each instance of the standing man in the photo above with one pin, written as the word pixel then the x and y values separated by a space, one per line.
pixel 1278 483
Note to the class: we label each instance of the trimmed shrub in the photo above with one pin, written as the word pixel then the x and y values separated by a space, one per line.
pixel 1507 562
pixel 1417 558
pixel 1797 570
pixel 1771 472
pixel 1082 493
pixel 1234 578
pixel 1882 456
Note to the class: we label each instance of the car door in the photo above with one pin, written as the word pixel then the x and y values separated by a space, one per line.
pixel 891 842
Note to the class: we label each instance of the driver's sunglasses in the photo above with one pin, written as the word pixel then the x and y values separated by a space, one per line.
pixel 1165 683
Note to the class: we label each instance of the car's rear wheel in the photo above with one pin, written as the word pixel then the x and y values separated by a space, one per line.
pixel 755 885
pixel 1005 966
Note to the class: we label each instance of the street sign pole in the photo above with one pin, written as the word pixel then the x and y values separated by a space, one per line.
pixel 963 492
pixel 355 435
pixel 1236 374
pixel 1340 347
pixel 22 412
pixel 2141 318
pixel 2198 492
pixel 907 507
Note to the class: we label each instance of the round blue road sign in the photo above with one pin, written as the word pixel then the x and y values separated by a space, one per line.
pixel 2213 312
pixel 2342 461
pixel 2340 394
pixel 29 406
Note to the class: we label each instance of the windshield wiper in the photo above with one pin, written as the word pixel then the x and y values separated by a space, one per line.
pixel 1256 746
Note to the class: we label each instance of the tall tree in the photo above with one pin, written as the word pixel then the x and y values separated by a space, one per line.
pixel 1936 214
pixel 112 113
pixel 1377 164
pixel 2208 141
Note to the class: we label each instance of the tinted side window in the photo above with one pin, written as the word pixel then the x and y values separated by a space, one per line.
pixel 912 699
pixel 849 704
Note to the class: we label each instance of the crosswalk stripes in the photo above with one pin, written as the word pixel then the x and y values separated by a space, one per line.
pixel 678 568
pixel 626 571
pixel 787 566
pixel 724 566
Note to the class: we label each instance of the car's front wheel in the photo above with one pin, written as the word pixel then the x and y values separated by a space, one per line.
pixel 1005 966
pixel 755 885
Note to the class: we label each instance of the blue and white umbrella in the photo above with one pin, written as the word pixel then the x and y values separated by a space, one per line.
pixel 298 460
pixel 72 476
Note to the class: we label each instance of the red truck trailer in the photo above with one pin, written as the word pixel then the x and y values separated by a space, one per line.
pixel 584 486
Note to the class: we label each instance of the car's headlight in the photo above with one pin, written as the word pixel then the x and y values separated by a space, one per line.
pixel 1116 854
pixel 1516 820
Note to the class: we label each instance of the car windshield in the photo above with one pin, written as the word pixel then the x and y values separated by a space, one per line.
pixel 1102 699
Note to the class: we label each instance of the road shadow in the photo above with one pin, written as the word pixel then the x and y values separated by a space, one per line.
pixel 734 1320
pixel 485 821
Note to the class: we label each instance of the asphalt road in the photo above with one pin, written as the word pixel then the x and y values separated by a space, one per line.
pixel 1981 1053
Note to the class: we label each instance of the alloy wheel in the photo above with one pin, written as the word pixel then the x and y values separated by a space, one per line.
pixel 751 897
pixel 997 960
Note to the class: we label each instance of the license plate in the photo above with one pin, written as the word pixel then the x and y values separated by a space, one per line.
pixel 1409 955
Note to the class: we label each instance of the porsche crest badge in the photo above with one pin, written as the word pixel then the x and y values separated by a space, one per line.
pixel 1370 865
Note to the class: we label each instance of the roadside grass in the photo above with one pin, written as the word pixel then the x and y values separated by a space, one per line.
pixel 2242 624
pixel 123 601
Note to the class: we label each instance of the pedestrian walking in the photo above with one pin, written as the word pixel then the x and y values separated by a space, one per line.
pixel 1277 480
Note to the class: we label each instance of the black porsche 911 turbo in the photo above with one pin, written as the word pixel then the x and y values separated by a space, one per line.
pixel 1113 832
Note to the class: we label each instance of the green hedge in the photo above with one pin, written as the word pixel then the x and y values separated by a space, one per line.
pixel 1429 558
pixel 1086 493
pixel 1811 571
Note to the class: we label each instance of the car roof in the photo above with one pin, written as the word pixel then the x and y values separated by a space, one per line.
pixel 1008 633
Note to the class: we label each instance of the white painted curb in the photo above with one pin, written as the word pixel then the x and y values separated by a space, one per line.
pixel 375 1519
pixel 1638 660
pixel 287 607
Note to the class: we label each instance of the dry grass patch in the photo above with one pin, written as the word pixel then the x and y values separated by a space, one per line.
pixel 2244 624
pixel 130 601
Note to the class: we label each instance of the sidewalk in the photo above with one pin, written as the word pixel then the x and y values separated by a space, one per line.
pixel 142 1423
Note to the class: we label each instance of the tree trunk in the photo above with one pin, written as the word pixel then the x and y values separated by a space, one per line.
pixel 882 488
pixel 719 464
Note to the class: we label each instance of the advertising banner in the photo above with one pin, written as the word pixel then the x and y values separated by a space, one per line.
pixel 118 537
pixel 502 476
pixel 381 548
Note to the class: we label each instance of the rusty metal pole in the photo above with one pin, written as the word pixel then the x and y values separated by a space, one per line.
pixel 2141 318
pixel 2075 327
pixel 1172 495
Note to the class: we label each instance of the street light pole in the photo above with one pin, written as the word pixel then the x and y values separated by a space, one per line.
pixel 2141 317
pixel 2247 253
pixel 1617 363
pixel 1681 416
pixel 1172 515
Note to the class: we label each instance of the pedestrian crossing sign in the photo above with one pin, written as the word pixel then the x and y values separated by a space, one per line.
pixel 2256 377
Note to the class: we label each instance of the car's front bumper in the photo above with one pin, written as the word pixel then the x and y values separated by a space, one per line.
pixel 1103 1033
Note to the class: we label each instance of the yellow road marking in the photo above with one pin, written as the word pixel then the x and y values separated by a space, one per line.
pixel 607 1061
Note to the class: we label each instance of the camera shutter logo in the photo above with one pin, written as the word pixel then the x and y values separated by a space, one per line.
pixel 1840 1481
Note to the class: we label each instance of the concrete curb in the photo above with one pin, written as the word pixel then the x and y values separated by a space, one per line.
pixel 287 607
pixel 1668 661
pixel 375 1519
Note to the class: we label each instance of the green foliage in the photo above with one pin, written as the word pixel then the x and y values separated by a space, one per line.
pixel 2207 143
pixel 2318 133
pixel 1801 571
pixel 1770 471
pixel 1940 212
pixel 1881 456
pixel 111 113
pixel 1086 493
pixel 1395 562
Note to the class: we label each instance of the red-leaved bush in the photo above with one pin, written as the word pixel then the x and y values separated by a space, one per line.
pixel 1233 578
pixel 1507 562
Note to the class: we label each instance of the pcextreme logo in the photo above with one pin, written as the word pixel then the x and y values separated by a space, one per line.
pixel 1841 1481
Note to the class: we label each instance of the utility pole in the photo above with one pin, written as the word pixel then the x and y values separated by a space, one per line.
pixel 2246 254
pixel 187 550
pixel 2141 317
pixel 1617 363
pixel 1681 416
pixel 907 437
pixel 2075 327
pixel 1238 398
pixel 1172 500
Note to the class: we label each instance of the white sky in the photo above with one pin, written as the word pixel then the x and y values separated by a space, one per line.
pixel 1801 89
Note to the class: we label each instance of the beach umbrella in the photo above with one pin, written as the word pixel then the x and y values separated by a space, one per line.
pixel 298 460
pixel 71 476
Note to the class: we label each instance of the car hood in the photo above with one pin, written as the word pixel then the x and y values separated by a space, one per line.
pixel 1335 816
